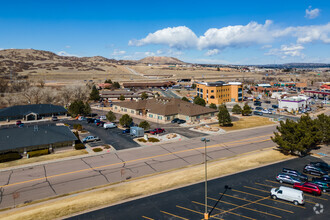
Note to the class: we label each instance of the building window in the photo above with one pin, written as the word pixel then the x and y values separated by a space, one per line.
pixel 160 117
pixel 212 91
pixel 150 115
pixel 116 107
pixel 132 111
pixel 197 89
pixel 168 118
pixel 212 97
pixel 201 90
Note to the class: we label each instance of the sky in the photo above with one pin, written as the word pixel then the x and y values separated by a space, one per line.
pixel 216 32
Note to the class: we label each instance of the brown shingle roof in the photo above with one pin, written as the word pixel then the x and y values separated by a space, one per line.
pixel 167 106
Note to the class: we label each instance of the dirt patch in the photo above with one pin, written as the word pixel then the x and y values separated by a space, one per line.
pixel 157 183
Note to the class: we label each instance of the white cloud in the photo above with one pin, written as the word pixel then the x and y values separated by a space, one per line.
pixel 178 37
pixel 266 46
pixel 293 50
pixel 117 52
pixel 66 54
pixel 312 13
pixel 212 52
pixel 67 46
pixel 307 34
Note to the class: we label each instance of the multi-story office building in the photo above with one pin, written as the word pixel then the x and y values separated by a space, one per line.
pixel 220 92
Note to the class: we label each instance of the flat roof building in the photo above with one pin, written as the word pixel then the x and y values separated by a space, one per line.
pixel 220 92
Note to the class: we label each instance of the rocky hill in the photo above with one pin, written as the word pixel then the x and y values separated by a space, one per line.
pixel 161 60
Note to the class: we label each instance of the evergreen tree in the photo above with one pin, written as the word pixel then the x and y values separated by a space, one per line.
pixel 121 97
pixel 144 96
pixel 224 116
pixel 111 116
pixel 323 123
pixel 237 109
pixel 145 125
pixel 199 101
pixel 87 109
pixel 95 95
pixel 193 86
pixel 212 105
pixel 246 110
pixel 125 120
pixel 297 137
pixel 108 81
pixel 79 108
pixel 185 99
pixel 116 85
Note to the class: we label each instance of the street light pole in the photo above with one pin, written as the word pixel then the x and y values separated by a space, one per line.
pixel 206 214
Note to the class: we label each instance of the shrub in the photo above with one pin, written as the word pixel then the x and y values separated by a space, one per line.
pixel 97 149
pixel 145 125
pixel 79 146
pixel 37 153
pixel 78 127
pixel 142 140
pixel 106 146
pixel 153 140
pixel 237 109
pixel 9 156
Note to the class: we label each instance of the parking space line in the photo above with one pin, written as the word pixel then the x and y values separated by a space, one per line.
pixel 194 211
pixel 263 184
pixel 147 218
pixel 304 194
pixel 269 206
pixel 222 209
pixel 268 198
pixel 240 206
pixel 174 215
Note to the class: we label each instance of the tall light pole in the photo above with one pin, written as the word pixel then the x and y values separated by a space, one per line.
pixel 206 214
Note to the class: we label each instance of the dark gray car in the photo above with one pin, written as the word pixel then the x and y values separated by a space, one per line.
pixel 295 173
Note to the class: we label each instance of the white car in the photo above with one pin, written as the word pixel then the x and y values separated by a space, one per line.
pixel 109 125
pixel 288 194
pixel 102 117
pixel 265 111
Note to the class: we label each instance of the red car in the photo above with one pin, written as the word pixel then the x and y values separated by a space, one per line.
pixel 157 131
pixel 18 122
pixel 308 187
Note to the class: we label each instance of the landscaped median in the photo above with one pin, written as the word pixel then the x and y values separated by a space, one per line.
pixel 156 183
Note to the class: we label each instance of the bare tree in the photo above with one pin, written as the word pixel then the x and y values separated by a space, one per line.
pixel 48 96
pixel 41 83
pixel 33 95
pixel 3 85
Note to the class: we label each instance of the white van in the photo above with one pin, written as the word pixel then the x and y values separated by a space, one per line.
pixel 288 194
pixel 109 125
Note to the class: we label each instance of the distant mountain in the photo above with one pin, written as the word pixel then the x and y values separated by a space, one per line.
pixel 161 60
pixel 297 65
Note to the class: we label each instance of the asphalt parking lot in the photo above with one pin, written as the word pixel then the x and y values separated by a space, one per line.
pixel 248 198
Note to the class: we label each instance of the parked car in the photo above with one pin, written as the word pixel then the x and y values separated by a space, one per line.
pixel 258 113
pixel 324 178
pixel 257 103
pixel 308 187
pixel 18 122
pixel 100 123
pixel 54 118
pixel 90 120
pixel 295 173
pixel 288 194
pixel 259 108
pixel 271 109
pixel 265 111
pixel 314 170
pixel 81 118
pixel 323 165
pixel 181 121
pixel 274 106
pixel 285 178
pixel 109 125
pixel 126 131
pixel 268 102
pixel 157 131
pixel 175 120
pixel 324 186
pixel 21 125
pixel 103 117
pixel 90 139
pixel 96 121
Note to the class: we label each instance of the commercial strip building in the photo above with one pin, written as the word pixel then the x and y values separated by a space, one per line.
pixel 220 92
pixel 35 137
pixel 289 84
pixel 111 95
pixel 143 85
pixel 295 103
pixel 31 112
pixel 265 88
pixel 163 109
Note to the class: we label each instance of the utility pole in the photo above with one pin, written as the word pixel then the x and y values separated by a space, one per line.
pixel 206 214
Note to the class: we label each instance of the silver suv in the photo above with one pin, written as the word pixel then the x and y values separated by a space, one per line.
pixel 285 178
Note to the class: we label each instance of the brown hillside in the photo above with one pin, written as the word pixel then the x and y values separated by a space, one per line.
pixel 161 60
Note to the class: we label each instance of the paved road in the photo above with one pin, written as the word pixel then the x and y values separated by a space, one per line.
pixel 247 199
pixel 52 179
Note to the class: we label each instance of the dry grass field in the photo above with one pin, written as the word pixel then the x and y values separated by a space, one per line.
pixel 25 161
pixel 134 188
pixel 248 122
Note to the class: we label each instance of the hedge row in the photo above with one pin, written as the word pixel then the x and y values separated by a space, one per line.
pixel 37 153
pixel 97 149
pixel 79 146
pixel 9 156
